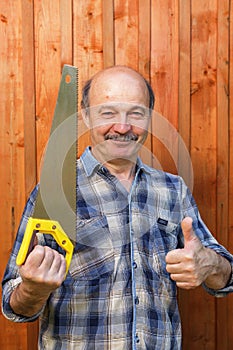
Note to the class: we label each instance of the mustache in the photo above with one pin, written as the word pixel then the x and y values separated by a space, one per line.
pixel 116 137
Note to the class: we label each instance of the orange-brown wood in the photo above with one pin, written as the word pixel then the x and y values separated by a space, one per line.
pixel 144 53
pixel 28 59
pixel 126 32
pixel 88 50
pixel 222 154
pixel 164 78
pixel 184 98
pixel 203 150
pixel 185 48
pixel 184 127
pixel 66 14
pixel 12 189
pixel 229 324
pixel 47 68
pixel 108 33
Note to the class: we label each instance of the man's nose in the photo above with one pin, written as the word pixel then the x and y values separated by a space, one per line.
pixel 122 125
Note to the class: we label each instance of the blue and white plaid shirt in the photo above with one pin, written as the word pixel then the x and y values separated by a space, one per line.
pixel 117 294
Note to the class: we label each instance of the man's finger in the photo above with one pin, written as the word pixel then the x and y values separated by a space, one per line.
pixel 174 256
pixel 187 230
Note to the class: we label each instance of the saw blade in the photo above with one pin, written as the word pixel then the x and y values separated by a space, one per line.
pixel 56 199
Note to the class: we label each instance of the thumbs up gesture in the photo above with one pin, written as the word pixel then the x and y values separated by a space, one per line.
pixel 188 267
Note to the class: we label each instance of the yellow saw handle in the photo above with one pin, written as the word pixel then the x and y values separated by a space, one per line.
pixel 46 227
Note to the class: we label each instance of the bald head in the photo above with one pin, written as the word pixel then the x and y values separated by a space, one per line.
pixel 108 81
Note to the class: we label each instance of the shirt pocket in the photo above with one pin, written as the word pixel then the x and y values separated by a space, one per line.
pixel 93 256
pixel 167 234
pixel 165 240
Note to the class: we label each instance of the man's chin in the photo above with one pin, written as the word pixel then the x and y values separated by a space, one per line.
pixel 121 144
pixel 116 150
pixel 121 153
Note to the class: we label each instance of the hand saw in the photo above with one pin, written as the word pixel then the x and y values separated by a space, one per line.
pixel 55 206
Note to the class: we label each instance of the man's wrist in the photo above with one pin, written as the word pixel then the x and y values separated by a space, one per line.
pixel 26 302
pixel 220 271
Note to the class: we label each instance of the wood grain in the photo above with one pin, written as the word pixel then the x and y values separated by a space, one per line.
pixel 47 68
pixel 126 33
pixel 108 33
pixel 229 324
pixel 164 78
pixel 12 176
pixel 144 58
pixel 203 149
pixel 222 154
pixel 88 50
pixel 66 18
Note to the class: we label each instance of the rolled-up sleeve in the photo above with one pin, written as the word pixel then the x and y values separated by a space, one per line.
pixel 206 238
pixel 11 278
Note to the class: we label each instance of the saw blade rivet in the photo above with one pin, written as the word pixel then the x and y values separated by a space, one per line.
pixel 54 227
pixel 64 242
pixel 37 225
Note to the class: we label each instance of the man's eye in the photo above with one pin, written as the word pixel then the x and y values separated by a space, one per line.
pixel 107 114
pixel 137 115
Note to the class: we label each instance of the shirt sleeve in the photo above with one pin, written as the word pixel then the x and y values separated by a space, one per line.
pixel 206 237
pixel 11 277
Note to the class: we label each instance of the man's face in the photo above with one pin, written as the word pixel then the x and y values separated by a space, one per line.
pixel 118 115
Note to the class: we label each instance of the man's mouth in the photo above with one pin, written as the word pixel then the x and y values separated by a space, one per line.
pixel 122 138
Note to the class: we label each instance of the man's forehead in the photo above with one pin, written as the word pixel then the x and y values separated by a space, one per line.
pixel 111 76
pixel 120 105
pixel 119 87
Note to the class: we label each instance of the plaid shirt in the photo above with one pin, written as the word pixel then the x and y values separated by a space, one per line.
pixel 117 294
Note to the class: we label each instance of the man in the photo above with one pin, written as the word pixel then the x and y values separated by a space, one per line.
pixel 139 235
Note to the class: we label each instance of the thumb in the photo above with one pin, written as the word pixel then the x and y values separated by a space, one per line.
pixel 187 230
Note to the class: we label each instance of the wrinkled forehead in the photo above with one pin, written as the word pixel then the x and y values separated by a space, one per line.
pixel 119 106
pixel 118 86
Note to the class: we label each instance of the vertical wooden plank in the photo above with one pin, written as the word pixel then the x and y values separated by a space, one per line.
pixel 144 37
pixel 164 78
pixel 66 10
pixel 203 151
pixel 223 155
pixel 126 33
pixel 29 95
pixel 144 56
pixel 108 33
pixel 184 127
pixel 230 193
pixel 47 67
pixel 29 123
pixel 88 47
pixel 204 66
pixel 223 120
pixel 12 196
pixel 184 121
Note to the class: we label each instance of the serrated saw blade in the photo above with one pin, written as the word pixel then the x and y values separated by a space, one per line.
pixel 56 199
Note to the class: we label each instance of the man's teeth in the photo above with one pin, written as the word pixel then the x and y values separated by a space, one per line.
pixel 122 138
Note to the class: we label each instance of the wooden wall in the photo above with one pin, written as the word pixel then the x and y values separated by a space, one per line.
pixel 185 48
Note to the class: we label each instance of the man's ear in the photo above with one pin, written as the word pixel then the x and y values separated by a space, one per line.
pixel 85 116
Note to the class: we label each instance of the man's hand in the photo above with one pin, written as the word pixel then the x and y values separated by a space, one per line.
pixel 44 269
pixel 194 264
pixel 43 272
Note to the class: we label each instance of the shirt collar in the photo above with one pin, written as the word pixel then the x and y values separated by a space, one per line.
pixel 91 164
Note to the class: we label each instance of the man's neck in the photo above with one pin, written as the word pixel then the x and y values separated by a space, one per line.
pixel 123 171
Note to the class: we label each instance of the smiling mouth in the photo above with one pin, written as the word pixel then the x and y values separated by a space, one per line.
pixel 121 138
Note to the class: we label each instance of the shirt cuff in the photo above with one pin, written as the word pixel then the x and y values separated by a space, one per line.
pixel 8 311
pixel 224 291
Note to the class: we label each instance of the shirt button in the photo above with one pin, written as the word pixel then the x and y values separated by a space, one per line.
pixel 104 170
pixel 137 339
pixel 81 223
pixel 136 301
pixel 135 265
